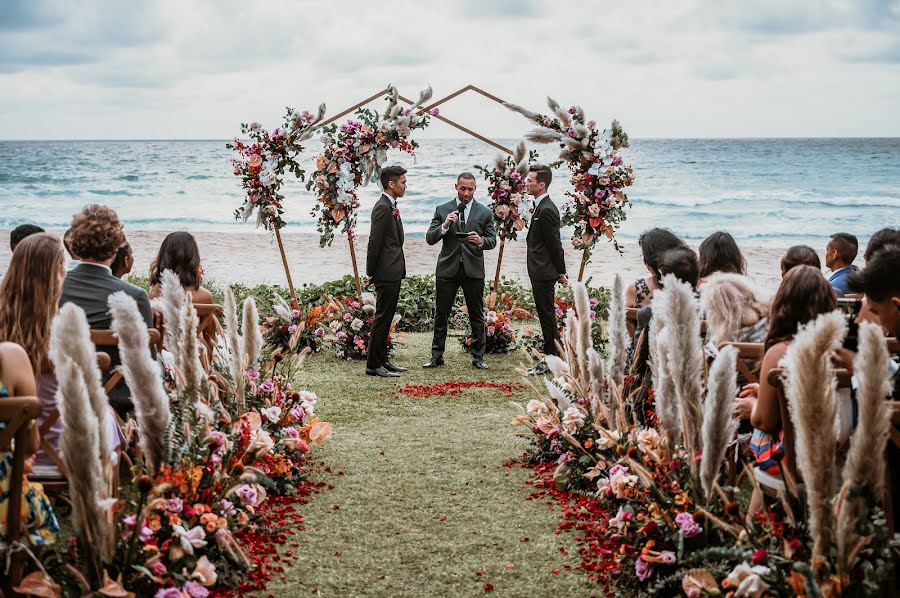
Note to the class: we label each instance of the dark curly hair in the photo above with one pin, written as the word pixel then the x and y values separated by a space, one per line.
pixel 96 233
pixel 180 254
pixel 803 295
pixel 719 253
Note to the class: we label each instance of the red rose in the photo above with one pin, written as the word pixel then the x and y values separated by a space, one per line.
pixel 760 557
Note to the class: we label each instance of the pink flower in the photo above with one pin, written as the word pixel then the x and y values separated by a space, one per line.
pixel 435 112
pixel 158 568
pixel 174 505
pixel 643 569
pixel 248 494
pixel 169 593
pixel 195 590
pixel 396 212
pixel 266 387
pixel 688 526
pixel 760 557
pixel 253 374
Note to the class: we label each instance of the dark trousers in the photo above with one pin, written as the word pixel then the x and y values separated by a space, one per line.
pixel 386 296
pixel 544 292
pixel 444 296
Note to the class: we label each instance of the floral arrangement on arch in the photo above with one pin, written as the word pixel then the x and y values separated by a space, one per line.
pixel 597 205
pixel 263 160
pixel 354 155
pixel 214 450
pixel 650 501
pixel 510 203
pixel 352 326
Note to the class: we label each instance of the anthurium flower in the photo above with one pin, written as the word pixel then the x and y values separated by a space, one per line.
pixel 195 538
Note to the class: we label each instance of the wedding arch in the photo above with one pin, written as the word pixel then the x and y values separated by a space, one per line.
pixel 356 150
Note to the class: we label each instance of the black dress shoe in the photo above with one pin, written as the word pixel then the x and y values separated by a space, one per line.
pixel 382 372
pixel 394 368
pixel 435 362
pixel 479 364
pixel 539 370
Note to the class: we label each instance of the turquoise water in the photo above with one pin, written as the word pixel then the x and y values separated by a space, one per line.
pixel 764 191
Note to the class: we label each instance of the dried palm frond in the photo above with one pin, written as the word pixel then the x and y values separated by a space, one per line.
pixel 70 336
pixel 618 332
pixel 685 358
pixel 253 340
pixel 865 464
pixel 810 389
pixel 142 374
pixel 719 425
pixel 524 112
pixel 79 445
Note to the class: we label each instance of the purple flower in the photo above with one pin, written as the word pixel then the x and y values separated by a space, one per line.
pixel 617 468
pixel 247 494
pixel 348 317
pixel 435 112
pixel 563 458
pixel 175 505
pixel 292 329
pixel 320 332
pixel 253 373
pixel 572 133
pixel 130 521
pixel 643 569
pixel 573 110
pixel 267 387
pixel 146 534
pixel 226 508
pixel 168 593
pixel 689 527
pixel 195 590
pixel 298 413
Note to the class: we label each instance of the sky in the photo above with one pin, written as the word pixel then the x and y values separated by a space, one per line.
pixel 196 69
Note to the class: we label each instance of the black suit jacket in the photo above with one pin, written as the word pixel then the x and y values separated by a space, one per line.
pixel 546 260
pixel 385 261
pixel 480 221
pixel 89 286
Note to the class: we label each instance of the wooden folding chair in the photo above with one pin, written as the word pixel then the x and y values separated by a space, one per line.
pixel 745 352
pixel 107 338
pixel 209 327
pixel 893 345
pixel 19 415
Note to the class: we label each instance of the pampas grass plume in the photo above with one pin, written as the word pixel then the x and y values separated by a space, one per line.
pixel 144 379
pixel 618 332
pixel 253 340
pixel 524 112
pixel 236 344
pixel 810 389
pixel 719 425
pixel 664 391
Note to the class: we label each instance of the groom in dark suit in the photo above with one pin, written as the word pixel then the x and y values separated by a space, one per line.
pixel 466 229
pixel 386 267
pixel 546 260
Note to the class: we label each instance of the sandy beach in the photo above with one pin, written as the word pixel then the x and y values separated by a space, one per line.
pixel 253 258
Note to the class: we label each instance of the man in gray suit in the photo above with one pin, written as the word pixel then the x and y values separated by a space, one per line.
pixel 95 237
pixel 466 229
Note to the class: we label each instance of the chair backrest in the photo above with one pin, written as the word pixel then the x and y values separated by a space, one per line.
pixel 893 345
pixel 776 380
pixel 209 327
pixel 747 352
pixel 19 414
pixel 107 338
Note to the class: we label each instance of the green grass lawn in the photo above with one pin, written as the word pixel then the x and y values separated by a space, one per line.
pixel 425 503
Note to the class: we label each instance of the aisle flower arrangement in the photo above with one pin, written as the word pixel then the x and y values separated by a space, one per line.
pixel 354 155
pixel 352 325
pixel 293 330
pixel 499 334
pixel 597 204
pixel 649 502
pixel 510 203
pixel 214 450
pixel 263 160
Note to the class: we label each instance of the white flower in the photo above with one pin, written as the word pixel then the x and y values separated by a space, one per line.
pixel 491 318
pixel 309 397
pixel 572 419
pixel 647 439
pixel 335 325
pixel 619 521
pixel 267 177
pixel 618 481
pixel 536 407
pixel 273 414
pixel 608 439
pixel 261 440
pixel 748 582
pixel 356 324
pixel 196 538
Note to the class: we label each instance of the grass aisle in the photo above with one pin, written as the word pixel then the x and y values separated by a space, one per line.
pixel 425 505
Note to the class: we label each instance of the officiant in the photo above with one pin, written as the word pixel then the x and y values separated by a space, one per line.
pixel 466 230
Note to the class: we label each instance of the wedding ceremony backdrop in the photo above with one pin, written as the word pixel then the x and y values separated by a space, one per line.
pixel 356 151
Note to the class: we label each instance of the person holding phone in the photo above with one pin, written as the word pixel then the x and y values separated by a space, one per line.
pixel 466 230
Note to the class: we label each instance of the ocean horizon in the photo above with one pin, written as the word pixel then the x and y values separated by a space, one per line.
pixel 765 191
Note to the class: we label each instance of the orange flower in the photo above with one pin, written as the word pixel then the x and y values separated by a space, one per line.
pixel 200 508
pixel 209 521
pixel 320 432
pixel 255 161
pixel 321 161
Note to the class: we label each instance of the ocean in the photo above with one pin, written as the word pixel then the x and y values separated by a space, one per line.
pixel 766 192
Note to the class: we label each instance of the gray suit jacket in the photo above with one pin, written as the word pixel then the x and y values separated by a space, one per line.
pixel 89 286
pixel 480 221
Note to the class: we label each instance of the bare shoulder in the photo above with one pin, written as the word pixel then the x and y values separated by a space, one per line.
pixel 203 296
pixel 15 370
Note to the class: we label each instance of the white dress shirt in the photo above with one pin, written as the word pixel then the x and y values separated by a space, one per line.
pixel 466 213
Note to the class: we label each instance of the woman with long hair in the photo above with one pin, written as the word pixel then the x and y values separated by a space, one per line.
pixel 29 300
pixel 654 243
pixel 180 254
pixel 720 253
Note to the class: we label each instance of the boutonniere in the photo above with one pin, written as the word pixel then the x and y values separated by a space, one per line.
pixel 396 212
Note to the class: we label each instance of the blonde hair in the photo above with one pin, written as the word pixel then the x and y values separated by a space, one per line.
pixel 731 302
pixel 29 297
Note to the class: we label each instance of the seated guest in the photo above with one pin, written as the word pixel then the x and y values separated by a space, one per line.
pixel 839 255
pixel 804 294
pixel 20 232
pixel 29 300
pixel 799 255
pixel 123 262
pixel 95 237
pixel 886 236
pixel 180 254
pixel 719 253
pixel 73 259
pixel 653 243
pixel 734 308
pixel 39 522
